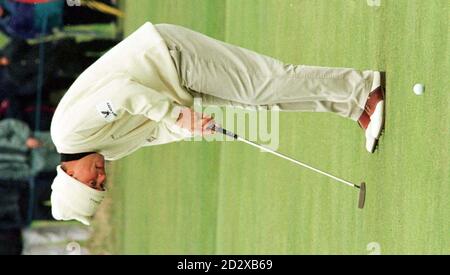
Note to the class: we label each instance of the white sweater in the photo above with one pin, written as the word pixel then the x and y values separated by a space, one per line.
pixel 127 99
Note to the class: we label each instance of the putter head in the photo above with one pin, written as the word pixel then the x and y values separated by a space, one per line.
pixel 362 195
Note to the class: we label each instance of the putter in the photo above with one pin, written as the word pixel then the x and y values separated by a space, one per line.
pixel 361 187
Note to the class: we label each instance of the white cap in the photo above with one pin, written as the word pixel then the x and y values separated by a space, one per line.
pixel 72 199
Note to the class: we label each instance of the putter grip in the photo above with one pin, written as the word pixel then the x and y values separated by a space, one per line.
pixel 224 131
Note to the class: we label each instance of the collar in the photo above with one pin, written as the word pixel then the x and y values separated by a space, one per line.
pixel 70 157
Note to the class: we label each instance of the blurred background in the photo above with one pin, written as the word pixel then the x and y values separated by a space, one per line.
pixel 45 45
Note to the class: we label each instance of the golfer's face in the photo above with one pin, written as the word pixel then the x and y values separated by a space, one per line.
pixel 91 171
pixel 4 61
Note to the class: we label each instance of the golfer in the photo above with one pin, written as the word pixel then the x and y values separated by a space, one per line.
pixel 140 93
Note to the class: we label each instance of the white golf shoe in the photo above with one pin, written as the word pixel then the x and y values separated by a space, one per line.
pixel 372 120
pixel 371 142
pixel 376 120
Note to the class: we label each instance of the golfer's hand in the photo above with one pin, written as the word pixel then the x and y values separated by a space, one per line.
pixel 196 123
pixel 33 143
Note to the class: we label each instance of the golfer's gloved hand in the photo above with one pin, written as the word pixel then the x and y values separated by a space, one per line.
pixel 196 123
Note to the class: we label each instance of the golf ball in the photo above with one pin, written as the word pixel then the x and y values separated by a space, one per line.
pixel 419 89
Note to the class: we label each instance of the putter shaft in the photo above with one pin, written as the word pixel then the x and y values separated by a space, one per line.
pixel 236 137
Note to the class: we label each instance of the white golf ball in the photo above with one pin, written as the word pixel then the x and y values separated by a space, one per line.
pixel 419 89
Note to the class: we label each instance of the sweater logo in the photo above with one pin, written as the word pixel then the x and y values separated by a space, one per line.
pixel 106 111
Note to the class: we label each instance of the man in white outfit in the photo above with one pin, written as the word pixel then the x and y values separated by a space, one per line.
pixel 140 93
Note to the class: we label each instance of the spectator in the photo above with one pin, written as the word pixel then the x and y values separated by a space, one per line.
pixel 24 155
pixel 25 19
pixel 64 60
pixel 24 108
pixel 10 212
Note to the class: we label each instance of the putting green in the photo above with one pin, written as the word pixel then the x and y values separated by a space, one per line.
pixel 227 197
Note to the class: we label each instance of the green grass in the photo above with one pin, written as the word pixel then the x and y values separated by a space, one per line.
pixel 228 198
